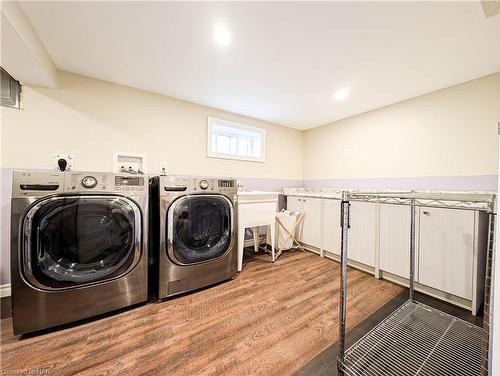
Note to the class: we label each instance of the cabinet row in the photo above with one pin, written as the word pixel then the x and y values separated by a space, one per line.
pixel 450 248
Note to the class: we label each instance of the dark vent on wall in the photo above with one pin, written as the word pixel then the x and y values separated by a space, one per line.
pixel 11 91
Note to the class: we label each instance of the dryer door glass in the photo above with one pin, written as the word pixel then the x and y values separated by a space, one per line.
pixel 201 228
pixel 78 240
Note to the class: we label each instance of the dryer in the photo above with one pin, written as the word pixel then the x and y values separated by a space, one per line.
pixel 193 232
pixel 78 246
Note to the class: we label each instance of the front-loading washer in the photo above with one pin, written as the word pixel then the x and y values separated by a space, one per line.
pixel 193 239
pixel 79 246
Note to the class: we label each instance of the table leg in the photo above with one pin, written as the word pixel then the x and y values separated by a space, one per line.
pixel 255 231
pixel 273 237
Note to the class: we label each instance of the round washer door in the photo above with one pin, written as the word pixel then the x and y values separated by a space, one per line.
pixel 199 228
pixel 76 240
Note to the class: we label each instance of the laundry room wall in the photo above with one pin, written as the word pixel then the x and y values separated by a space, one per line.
pixel 442 140
pixel 90 119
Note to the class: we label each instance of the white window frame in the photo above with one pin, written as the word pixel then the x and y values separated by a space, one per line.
pixel 227 123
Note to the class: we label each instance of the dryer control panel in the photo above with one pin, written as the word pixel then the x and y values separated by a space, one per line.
pixel 190 185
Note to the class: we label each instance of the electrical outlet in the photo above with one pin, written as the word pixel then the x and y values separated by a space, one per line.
pixel 163 168
pixel 69 160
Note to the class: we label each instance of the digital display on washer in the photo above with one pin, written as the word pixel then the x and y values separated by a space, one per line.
pixel 226 183
pixel 129 181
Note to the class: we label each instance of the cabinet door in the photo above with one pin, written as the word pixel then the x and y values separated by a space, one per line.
pixel 331 226
pixel 446 250
pixel 363 232
pixel 311 228
pixel 294 203
pixel 395 239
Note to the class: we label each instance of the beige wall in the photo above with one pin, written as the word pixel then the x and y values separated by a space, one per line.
pixel 90 119
pixel 451 132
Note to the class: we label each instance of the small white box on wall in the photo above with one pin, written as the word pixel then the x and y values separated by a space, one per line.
pixel 129 162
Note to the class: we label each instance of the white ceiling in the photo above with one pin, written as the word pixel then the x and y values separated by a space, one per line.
pixel 286 59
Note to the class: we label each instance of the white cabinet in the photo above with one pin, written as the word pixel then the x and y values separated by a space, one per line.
pixel 449 251
pixel 294 203
pixel 311 228
pixel 363 233
pixel 309 231
pixel 446 252
pixel 394 256
pixel 332 232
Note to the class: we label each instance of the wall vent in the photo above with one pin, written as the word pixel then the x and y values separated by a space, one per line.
pixel 490 7
pixel 11 91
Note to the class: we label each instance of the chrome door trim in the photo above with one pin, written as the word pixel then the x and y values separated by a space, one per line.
pixel 170 228
pixel 25 243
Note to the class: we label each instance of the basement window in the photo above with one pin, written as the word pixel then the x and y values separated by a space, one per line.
pixel 10 91
pixel 230 140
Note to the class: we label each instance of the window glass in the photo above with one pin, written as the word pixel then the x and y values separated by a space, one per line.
pixel 235 141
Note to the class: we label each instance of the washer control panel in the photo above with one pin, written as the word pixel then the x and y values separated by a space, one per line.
pixel 86 182
pixel 129 183
pixel 89 182
pixel 95 182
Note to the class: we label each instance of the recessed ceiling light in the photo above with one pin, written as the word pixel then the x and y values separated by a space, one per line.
pixel 341 94
pixel 222 35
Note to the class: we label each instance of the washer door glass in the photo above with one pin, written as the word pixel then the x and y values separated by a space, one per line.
pixel 78 240
pixel 200 228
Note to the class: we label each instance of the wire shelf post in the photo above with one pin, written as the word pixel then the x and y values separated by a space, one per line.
pixel 488 297
pixel 412 249
pixel 344 223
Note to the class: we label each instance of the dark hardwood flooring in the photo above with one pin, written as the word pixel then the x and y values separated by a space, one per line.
pixel 271 319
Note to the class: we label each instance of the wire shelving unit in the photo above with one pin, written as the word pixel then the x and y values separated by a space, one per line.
pixel 416 339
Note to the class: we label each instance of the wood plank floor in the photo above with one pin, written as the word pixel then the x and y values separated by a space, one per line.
pixel 270 320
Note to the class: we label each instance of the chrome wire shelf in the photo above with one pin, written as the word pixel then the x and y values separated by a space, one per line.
pixel 467 201
pixel 417 340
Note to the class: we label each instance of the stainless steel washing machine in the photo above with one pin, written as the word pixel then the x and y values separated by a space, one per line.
pixel 78 248
pixel 193 233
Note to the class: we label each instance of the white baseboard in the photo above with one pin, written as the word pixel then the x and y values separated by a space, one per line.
pixel 5 290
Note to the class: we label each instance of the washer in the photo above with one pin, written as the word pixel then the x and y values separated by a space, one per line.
pixel 78 248
pixel 193 233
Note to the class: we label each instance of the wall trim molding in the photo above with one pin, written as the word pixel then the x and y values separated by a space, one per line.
pixel 5 290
